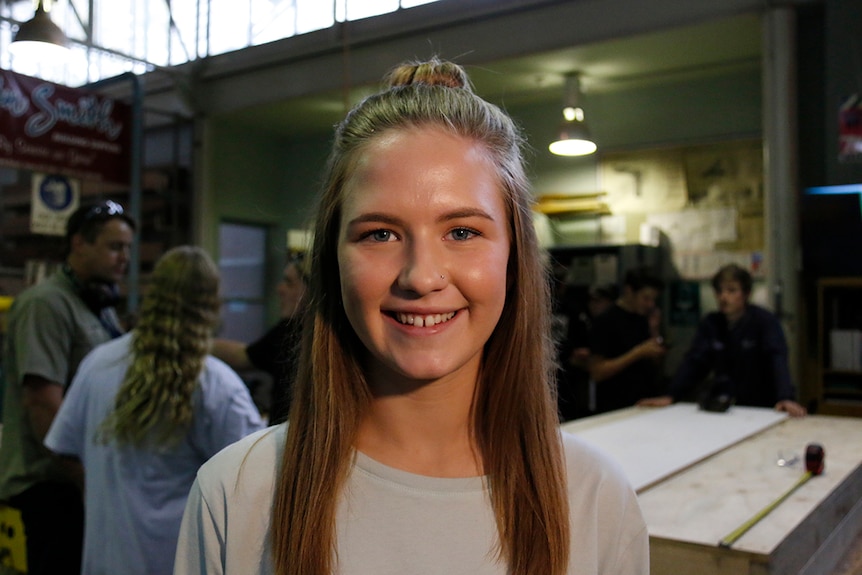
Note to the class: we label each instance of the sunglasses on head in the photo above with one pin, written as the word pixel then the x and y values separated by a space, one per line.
pixel 106 209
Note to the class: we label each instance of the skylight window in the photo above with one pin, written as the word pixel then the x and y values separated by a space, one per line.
pixel 140 35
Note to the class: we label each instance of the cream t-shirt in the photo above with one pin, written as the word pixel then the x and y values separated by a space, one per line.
pixel 391 522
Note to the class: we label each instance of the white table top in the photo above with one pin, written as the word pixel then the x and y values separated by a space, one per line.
pixel 652 444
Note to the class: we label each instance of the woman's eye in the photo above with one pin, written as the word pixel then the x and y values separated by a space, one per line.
pixel 462 234
pixel 380 235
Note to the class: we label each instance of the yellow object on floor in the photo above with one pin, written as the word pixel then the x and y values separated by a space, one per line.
pixel 13 552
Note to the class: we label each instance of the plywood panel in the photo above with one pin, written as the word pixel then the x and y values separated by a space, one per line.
pixel 708 501
pixel 653 444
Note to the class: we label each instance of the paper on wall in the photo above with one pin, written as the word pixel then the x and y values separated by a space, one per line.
pixel 697 229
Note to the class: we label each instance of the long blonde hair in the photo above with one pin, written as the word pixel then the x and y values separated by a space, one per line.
pixel 168 348
pixel 514 414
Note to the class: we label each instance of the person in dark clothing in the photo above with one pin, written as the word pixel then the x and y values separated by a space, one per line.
pixel 274 353
pixel 625 346
pixel 574 396
pixel 742 347
pixel 563 317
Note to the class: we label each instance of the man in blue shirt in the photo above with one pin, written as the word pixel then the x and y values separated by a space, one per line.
pixel 742 347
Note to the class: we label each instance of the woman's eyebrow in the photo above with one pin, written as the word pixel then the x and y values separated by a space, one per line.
pixel 385 218
pixel 374 217
pixel 466 213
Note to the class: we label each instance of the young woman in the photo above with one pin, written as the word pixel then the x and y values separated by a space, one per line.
pixel 144 412
pixel 423 434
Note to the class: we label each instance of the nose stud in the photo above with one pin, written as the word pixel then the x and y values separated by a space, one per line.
pixel 442 277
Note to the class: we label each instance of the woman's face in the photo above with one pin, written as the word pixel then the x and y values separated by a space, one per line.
pixel 291 290
pixel 423 249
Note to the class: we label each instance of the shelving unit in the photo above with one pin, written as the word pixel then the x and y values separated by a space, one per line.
pixel 839 333
pixel 584 262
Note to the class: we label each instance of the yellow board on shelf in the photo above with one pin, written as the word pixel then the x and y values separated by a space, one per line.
pixel 13 552
pixel 5 302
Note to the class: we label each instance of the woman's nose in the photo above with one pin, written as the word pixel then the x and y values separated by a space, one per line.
pixel 424 270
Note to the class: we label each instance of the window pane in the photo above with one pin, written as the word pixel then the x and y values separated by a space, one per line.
pixel 151 42
pixel 272 20
pixel 241 261
pixel 229 26
pixel 186 31
pixel 113 26
pixel 242 321
pixel 313 15
pixel 357 9
pixel 170 33
pixel 242 269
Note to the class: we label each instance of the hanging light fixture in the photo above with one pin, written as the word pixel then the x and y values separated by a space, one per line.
pixel 39 39
pixel 573 138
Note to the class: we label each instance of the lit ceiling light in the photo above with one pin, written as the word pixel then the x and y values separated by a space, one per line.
pixel 39 39
pixel 573 138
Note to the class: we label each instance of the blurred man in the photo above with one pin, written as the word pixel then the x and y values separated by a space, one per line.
pixel 625 346
pixel 51 327
pixel 742 347
pixel 275 351
pixel 575 389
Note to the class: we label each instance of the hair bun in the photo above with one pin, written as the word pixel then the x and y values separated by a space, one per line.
pixel 431 73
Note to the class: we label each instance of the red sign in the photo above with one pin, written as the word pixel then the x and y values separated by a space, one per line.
pixel 850 129
pixel 51 128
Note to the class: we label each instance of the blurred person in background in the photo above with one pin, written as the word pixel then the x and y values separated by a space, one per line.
pixel 144 412
pixel 626 348
pixel 274 353
pixel 575 390
pixel 739 352
pixel 51 326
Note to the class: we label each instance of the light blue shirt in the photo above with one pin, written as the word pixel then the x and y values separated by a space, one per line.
pixel 135 497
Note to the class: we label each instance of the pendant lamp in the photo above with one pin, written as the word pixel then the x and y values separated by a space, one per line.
pixel 573 137
pixel 39 39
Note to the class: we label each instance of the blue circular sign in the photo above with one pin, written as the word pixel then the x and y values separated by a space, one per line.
pixel 56 193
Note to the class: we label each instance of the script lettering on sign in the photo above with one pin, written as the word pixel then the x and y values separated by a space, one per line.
pixel 55 129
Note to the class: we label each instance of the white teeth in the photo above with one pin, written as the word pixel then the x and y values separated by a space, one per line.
pixel 424 320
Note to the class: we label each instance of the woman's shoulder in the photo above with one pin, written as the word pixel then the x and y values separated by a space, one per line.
pixel 220 382
pixel 604 509
pixel 218 369
pixel 254 459
pixel 114 353
pixel 119 347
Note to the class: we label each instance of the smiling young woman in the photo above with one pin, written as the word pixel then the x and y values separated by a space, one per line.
pixel 423 259
pixel 423 435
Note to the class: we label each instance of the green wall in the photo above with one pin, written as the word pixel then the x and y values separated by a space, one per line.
pixel 260 179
